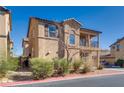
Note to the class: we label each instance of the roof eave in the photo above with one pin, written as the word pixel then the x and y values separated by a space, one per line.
pixel 99 32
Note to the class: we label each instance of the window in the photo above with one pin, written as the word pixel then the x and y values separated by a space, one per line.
pixel 52 31
pixel 113 47
pixel 118 47
pixel 72 38
pixel 94 43
pixel 82 42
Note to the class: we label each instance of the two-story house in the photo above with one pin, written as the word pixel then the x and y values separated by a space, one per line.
pixel 51 39
pixel 6 43
pixel 117 49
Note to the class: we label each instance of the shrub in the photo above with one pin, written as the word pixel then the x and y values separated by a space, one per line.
pixel 61 67
pixel 56 64
pixel 64 66
pixel 12 64
pixel 41 68
pixel 120 62
pixel 76 65
pixel 86 68
pixel 8 64
pixel 3 68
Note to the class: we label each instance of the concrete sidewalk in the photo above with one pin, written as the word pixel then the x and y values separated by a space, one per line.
pixel 115 69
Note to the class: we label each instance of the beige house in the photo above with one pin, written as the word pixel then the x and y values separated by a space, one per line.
pixel 104 52
pixel 5 28
pixel 117 49
pixel 51 39
pixel 105 55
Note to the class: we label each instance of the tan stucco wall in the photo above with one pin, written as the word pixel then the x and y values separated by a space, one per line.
pixel 118 54
pixel 39 45
pixel 4 32
pixel 26 49
pixel 33 41
pixel 2 25
pixel 91 58
pixel 48 48
pixel 73 49
pixel 74 54
pixel 3 47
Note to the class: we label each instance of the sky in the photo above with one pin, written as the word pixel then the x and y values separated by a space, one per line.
pixel 108 20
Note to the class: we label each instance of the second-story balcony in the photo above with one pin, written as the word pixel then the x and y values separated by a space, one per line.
pixel 93 46
pixel 89 41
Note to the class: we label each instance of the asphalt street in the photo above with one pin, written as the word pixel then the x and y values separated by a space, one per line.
pixel 104 81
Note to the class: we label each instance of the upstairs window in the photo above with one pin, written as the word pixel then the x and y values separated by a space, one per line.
pixel 52 31
pixel 118 47
pixel 113 47
pixel 82 42
pixel 72 38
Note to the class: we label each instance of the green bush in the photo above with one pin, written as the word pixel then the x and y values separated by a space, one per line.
pixel 76 65
pixel 12 64
pixel 86 68
pixel 8 64
pixel 41 68
pixel 3 68
pixel 56 64
pixel 61 67
pixel 64 66
pixel 120 62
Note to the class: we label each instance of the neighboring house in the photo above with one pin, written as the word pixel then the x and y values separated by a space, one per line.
pixel 117 49
pixel 6 43
pixel 51 39
pixel 104 52
pixel 105 56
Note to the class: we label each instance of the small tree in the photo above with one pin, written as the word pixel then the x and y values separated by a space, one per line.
pixel 65 46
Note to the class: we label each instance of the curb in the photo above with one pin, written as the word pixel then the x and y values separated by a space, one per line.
pixel 12 84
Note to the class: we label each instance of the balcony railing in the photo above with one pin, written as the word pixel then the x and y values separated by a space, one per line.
pixel 93 44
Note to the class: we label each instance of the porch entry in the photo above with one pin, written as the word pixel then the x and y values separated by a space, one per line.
pixel 87 56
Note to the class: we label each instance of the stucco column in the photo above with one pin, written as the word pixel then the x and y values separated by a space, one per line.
pixel 98 40
pixel 98 52
pixel 89 42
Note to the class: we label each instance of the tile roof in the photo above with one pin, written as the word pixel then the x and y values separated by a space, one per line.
pixel 4 9
pixel 51 21
pixel 91 30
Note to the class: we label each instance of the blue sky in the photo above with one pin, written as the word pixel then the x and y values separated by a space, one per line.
pixel 108 20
